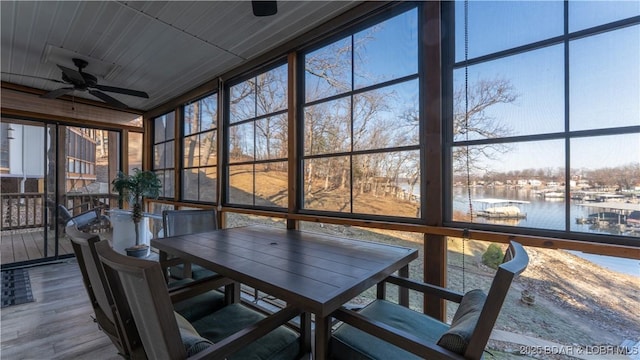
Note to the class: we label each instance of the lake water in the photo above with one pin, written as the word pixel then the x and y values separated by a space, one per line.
pixel 546 214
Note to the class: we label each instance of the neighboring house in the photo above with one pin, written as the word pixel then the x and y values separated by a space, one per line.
pixel 20 142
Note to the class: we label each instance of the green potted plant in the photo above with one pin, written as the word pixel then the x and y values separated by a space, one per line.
pixel 133 188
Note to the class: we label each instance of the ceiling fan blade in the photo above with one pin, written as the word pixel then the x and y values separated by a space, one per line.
pixel 264 8
pixel 35 77
pixel 57 93
pixel 108 99
pixel 141 94
pixel 74 75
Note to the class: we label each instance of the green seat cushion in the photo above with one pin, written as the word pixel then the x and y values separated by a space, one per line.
pixel 281 343
pixel 197 272
pixel 198 306
pixel 350 343
pixel 464 322
pixel 192 341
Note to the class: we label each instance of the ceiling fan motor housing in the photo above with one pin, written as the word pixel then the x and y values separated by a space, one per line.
pixel 89 81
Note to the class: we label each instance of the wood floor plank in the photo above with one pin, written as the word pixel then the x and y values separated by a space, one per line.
pixel 19 250
pixel 58 324
pixel 51 247
pixel 31 241
pixel 6 249
pixel 41 246
pixel 64 246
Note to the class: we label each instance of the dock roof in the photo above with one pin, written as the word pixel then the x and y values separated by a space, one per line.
pixel 613 205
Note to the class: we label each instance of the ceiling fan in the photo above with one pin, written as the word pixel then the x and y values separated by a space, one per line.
pixel 82 81
pixel 264 8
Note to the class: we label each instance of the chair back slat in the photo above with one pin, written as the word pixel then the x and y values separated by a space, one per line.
pixel 514 263
pixel 184 222
pixel 139 288
pixel 116 325
pixel 88 263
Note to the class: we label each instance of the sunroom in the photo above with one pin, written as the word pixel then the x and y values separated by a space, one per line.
pixel 448 128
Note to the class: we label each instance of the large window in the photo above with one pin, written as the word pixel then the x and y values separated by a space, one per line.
pixel 134 151
pixel 163 152
pixel 361 150
pixel 81 152
pixel 6 134
pixel 257 140
pixel 546 122
pixel 200 153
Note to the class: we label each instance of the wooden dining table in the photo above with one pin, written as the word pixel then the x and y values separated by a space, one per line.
pixel 317 273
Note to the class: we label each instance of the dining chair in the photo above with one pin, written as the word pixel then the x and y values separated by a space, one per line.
pixel 192 299
pixel 85 220
pixel 386 330
pixel 233 332
pixel 99 295
pixel 185 222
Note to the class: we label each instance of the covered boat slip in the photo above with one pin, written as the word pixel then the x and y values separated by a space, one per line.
pixel 613 213
pixel 501 209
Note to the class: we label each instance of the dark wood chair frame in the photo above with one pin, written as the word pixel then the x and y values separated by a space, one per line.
pixel 232 289
pixel 170 230
pixel 91 217
pixel 514 263
pixel 161 332
pixel 118 324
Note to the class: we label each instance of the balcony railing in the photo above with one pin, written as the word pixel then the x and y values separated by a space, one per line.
pixel 27 210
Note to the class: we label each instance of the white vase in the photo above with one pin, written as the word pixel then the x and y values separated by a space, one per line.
pixel 124 234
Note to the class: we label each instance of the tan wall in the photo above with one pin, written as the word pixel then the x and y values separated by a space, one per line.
pixel 20 103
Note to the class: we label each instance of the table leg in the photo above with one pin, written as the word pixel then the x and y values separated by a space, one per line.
pixel 162 258
pixel 403 293
pixel 232 293
pixel 305 333
pixel 323 332
pixel 381 290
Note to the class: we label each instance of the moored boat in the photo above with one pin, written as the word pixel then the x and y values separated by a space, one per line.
pixel 501 209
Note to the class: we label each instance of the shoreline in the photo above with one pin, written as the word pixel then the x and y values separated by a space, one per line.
pixel 617 264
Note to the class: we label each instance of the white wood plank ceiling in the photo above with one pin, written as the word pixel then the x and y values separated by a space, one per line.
pixel 164 48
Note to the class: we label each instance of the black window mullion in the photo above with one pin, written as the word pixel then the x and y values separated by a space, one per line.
pixel 567 123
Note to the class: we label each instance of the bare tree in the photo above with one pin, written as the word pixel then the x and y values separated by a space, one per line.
pixel 208 143
pixel 470 120
pixel 191 119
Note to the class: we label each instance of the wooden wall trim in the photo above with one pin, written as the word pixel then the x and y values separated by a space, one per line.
pixel 178 151
pixel 624 251
pixel 67 98
pixel 221 154
pixel 435 260
pixel 292 136
pixel 24 105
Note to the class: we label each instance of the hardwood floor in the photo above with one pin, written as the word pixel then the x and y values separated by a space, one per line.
pixel 28 244
pixel 58 324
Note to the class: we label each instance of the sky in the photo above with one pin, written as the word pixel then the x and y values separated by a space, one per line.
pixel 604 78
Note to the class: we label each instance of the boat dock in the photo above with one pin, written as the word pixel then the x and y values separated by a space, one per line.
pixel 612 213
pixel 501 209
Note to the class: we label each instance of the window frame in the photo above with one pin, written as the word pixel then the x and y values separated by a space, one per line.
pixel 182 135
pixel 226 163
pixel 302 104
pixel 163 171
pixel 567 135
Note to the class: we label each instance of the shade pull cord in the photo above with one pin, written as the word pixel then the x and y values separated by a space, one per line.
pixel 466 131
